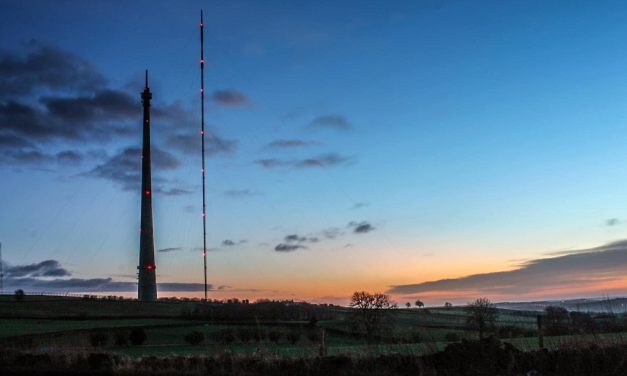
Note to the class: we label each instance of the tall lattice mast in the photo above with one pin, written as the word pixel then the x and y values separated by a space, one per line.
pixel 202 138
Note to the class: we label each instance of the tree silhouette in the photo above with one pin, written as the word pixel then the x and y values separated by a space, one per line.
pixel 370 310
pixel 481 315
pixel 419 304
pixel 408 304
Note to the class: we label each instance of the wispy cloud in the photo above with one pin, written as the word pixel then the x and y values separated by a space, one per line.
pixel 241 193
pixel 585 268
pixel 288 144
pixel 283 247
pixel 189 144
pixel 321 161
pixel 613 222
pixel 229 97
pixel 49 275
pixel 362 227
pixel 173 249
pixel 359 205
pixel 336 122
pixel 124 169
pixel 48 268
pixel 45 66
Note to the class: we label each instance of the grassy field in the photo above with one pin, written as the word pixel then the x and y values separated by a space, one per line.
pixel 68 324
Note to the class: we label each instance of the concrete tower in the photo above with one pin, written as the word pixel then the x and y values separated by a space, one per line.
pixel 147 288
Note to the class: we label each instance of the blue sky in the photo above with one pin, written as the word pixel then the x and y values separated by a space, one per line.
pixel 470 136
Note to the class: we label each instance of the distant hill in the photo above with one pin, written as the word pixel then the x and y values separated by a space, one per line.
pixel 601 305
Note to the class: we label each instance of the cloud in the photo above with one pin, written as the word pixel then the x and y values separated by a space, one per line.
pixel 124 168
pixel 69 157
pixel 322 161
pixel 241 193
pixel 270 162
pixel 48 268
pixel 55 106
pixel 359 205
pixel 361 227
pixel 228 243
pixel 228 97
pixel 172 191
pixel 95 285
pixel 282 247
pixel 585 269
pixel 45 276
pixel 337 122
pixel 295 238
pixel 332 232
pixel 173 249
pixel 105 104
pixel 44 66
pixel 613 221
pixel 287 144
pixel 191 144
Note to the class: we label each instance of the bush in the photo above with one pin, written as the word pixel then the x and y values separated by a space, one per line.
pixel 416 337
pixel 275 336
pixel 194 338
pixel 245 335
pixel 451 337
pixel 121 339
pixel 224 336
pixel 98 339
pixel 293 336
pixel 19 295
pixel 314 336
pixel 137 336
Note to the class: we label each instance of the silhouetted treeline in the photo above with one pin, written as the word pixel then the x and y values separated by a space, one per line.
pixel 264 310
pixel 558 321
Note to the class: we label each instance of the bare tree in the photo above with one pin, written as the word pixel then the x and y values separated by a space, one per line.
pixel 371 310
pixel 482 314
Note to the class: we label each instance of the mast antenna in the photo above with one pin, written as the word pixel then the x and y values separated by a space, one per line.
pixel 202 137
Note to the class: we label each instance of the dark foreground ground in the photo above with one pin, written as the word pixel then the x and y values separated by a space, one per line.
pixel 488 357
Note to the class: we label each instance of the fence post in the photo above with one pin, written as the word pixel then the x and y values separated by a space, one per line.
pixel 323 345
pixel 540 332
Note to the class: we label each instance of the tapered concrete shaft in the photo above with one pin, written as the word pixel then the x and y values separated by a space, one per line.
pixel 147 287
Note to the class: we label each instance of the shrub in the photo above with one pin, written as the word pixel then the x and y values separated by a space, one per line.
pixel 224 336
pixel 102 362
pixel 314 336
pixel 451 337
pixel 98 339
pixel 245 335
pixel 194 338
pixel 275 336
pixel 121 339
pixel 137 336
pixel 19 295
pixel 415 337
pixel 293 336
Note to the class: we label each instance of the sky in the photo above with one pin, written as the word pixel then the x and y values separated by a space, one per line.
pixel 435 150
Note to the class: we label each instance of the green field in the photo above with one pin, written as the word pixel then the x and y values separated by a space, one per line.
pixel 68 324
